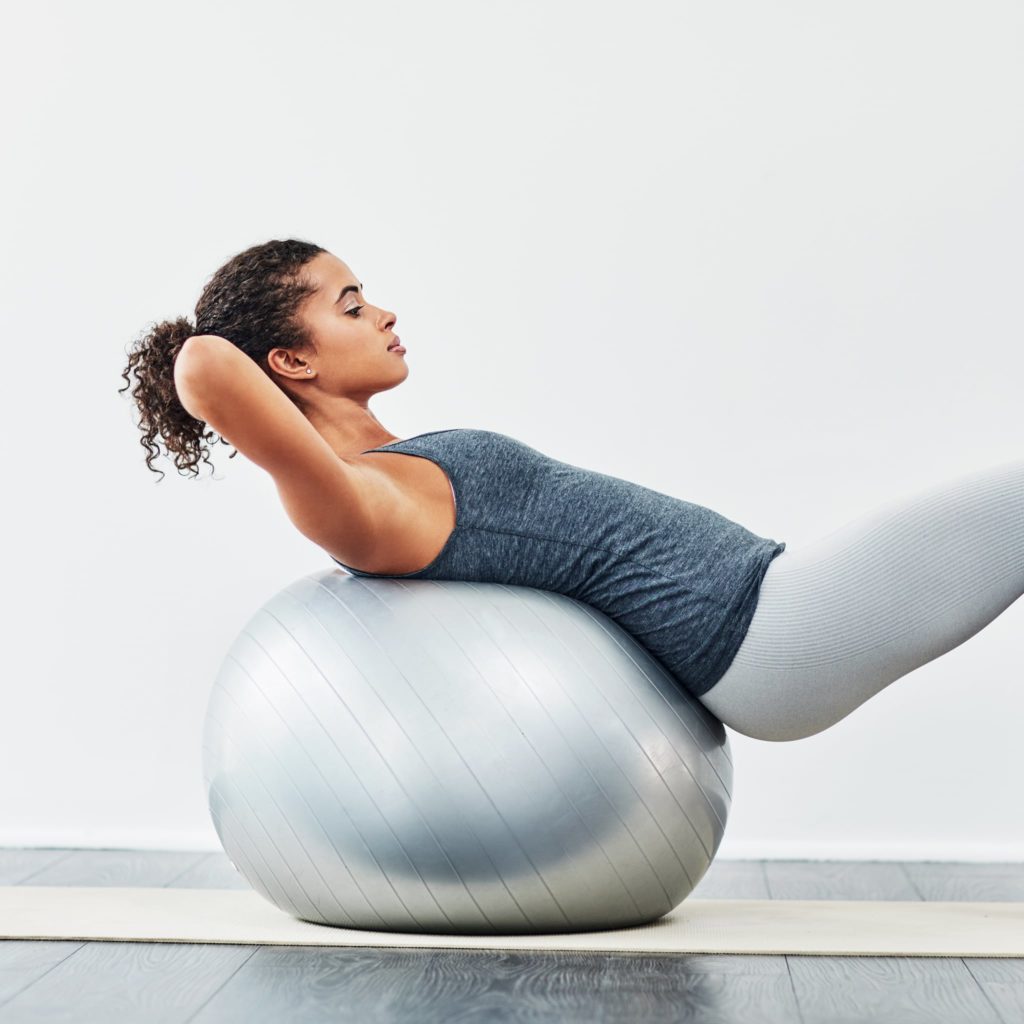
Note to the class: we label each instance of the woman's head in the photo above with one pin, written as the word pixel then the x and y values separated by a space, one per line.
pixel 279 303
pixel 346 346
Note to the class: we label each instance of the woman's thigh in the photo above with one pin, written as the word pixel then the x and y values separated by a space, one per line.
pixel 839 619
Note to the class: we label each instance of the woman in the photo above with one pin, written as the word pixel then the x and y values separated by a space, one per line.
pixel 286 353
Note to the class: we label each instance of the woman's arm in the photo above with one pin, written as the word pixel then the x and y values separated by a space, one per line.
pixel 329 501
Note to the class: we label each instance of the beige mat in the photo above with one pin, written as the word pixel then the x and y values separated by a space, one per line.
pixel 812 927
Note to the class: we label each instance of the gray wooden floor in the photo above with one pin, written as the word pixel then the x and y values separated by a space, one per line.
pixel 124 982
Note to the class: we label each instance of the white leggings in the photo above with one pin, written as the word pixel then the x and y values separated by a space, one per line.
pixel 841 618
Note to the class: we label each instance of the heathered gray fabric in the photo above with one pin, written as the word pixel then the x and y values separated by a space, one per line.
pixel 841 618
pixel 681 579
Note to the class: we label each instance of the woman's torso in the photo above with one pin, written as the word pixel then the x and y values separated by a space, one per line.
pixel 680 578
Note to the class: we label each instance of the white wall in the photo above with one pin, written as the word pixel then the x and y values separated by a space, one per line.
pixel 764 257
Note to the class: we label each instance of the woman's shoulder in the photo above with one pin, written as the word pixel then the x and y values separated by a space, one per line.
pixel 412 502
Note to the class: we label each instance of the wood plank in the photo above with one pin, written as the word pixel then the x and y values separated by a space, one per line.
pixel 117 867
pixel 19 865
pixel 1002 970
pixel 424 986
pixel 732 880
pixel 23 963
pixel 695 988
pixel 890 989
pixel 1002 981
pixel 838 880
pixel 213 871
pixel 128 981
pixel 947 880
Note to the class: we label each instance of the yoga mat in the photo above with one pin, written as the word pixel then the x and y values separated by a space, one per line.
pixel 811 927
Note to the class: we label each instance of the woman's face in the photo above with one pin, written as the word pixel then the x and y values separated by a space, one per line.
pixel 352 335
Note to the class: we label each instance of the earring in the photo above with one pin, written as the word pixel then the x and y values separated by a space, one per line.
pixel 308 370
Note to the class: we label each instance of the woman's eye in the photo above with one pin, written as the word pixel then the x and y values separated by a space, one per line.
pixel 354 311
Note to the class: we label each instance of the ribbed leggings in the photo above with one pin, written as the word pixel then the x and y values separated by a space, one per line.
pixel 839 619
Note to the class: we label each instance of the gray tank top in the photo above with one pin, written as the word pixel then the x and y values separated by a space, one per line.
pixel 681 579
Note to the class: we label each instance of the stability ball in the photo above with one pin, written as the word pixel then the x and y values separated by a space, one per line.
pixel 452 757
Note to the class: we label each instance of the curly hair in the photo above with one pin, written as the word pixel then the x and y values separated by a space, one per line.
pixel 253 301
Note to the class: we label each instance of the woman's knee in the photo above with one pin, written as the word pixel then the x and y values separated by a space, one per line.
pixel 762 719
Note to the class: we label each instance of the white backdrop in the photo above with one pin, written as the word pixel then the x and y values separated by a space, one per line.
pixel 764 257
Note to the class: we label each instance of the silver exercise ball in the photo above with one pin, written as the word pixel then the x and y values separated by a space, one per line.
pixel 453 757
